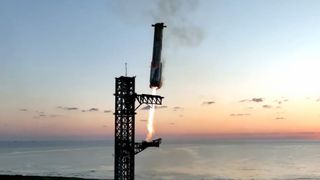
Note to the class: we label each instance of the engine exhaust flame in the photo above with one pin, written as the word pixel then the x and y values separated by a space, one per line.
pixel 151 118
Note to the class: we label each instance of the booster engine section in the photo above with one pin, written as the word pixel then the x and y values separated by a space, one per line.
pixel 156 64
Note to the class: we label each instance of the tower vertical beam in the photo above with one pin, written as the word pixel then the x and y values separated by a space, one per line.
pixel 124 128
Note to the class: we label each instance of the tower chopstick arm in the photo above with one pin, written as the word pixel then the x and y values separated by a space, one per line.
pixel 148 99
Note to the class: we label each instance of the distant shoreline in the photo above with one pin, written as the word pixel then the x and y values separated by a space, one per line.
pixel 21 177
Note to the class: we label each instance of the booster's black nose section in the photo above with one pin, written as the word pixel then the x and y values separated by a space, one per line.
pixel 156 64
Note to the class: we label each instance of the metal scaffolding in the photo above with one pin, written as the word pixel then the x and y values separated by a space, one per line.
pixel 125 145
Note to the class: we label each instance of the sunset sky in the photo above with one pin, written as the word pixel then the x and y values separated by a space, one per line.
pixel 230 67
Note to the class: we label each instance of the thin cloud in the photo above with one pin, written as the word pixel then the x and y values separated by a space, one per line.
pixel 281 100
pixel 23 109
pixel 93 109
pixel 40 114
pixel 240 114
pixel 90 110
pixel 161 107
pixel 244 100
pixel 257 99
pixel 145 108
pixel 68 108
pixel 267 106
pixel 252 100
pixel 157 107
pixel 143 120
pixel 107 111
pixel 278 118
pixel 176 108
pixel 208 102
pixel 72 108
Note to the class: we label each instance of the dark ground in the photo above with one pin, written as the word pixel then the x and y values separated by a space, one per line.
pixel 19 177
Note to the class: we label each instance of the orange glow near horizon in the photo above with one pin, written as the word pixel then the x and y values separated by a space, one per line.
pixel 297 117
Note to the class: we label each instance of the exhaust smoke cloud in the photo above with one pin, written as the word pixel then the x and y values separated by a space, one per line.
pixel 176 13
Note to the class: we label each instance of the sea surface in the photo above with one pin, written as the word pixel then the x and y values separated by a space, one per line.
pixel 210 160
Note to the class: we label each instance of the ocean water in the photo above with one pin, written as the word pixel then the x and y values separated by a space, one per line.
pixel 215 160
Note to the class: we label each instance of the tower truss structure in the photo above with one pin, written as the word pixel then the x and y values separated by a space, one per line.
pixel 125 146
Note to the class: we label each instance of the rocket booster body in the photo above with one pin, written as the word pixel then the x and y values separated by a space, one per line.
pixel 156 64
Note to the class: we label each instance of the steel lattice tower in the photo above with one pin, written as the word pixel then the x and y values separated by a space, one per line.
pixel 125 146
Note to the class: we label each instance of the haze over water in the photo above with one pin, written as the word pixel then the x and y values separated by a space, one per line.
pixel 231 159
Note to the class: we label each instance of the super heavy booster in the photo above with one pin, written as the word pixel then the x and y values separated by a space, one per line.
pixel 156 64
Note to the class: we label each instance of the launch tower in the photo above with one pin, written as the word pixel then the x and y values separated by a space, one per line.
pixel 125 146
